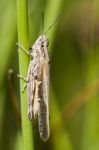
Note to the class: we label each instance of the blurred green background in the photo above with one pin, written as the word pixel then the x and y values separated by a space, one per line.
pixel 74 83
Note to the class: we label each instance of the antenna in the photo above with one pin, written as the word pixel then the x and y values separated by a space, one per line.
pixel 52 23
pixel 42 21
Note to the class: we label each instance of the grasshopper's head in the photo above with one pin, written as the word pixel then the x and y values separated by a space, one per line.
pixel 42 41
pixel 40 47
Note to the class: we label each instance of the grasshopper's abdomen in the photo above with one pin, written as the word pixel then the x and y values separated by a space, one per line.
pixel 43 116
pixel 43 120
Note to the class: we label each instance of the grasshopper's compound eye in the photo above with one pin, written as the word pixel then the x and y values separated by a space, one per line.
pixel 30 48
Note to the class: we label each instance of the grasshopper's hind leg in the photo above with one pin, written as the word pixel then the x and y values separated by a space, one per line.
pixel 30 95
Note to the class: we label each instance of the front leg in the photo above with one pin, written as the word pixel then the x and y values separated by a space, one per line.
pixel 19 45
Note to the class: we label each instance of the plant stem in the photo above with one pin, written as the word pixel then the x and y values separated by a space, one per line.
pixel 23 39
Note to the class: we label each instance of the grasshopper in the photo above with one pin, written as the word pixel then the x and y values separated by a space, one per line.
pixel 37 83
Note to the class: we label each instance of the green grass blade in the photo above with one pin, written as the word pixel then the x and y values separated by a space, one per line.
pixel 23 38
